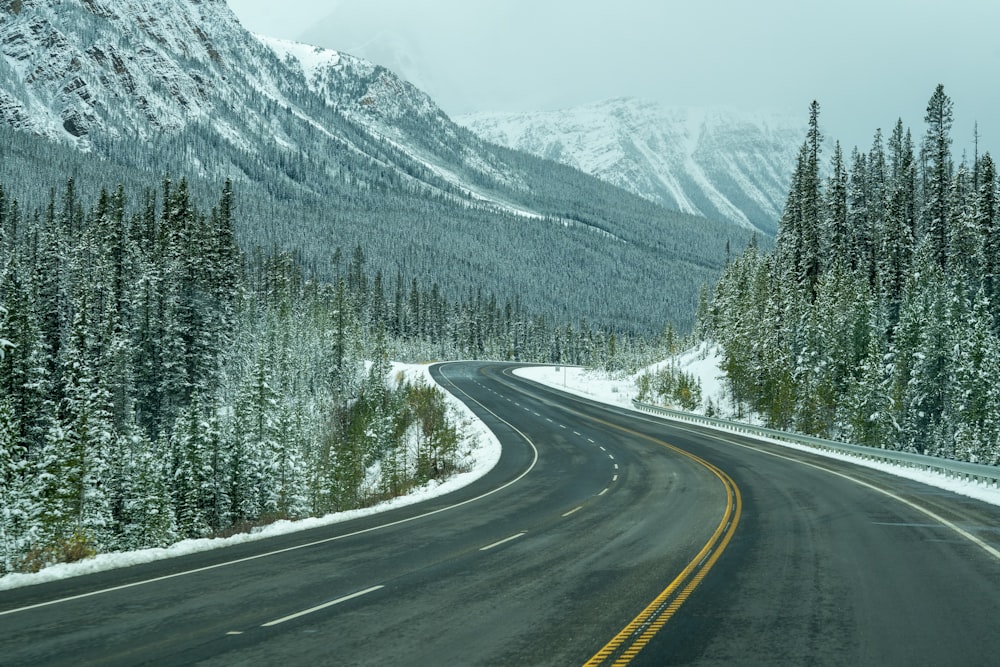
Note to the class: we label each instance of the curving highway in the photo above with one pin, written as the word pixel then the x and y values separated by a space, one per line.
pixel 601 537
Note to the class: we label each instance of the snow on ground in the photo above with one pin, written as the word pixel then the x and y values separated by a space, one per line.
pixel 481 456
pixel 482 453
pixel 703 363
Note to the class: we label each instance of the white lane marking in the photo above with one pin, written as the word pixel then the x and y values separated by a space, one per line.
pixel 590 441
pixel 615 478
pixel 616 466
pixel 320 607
pixel 602 448
pixel 143 582
pixel 906 525
pixel 603 492
pixel 611 456
pixel 549 420
pixel 995 553
pixel 235 632
pixel 577 433
pixel 503 541
pixel 575 509
pixel 562 425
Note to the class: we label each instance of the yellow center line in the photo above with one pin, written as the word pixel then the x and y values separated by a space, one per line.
pixel 638 633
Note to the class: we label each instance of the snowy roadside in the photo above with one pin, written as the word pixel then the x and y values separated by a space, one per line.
pixel 481 452
pixel 703 363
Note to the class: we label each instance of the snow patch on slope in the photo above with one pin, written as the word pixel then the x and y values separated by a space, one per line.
pixel 717 163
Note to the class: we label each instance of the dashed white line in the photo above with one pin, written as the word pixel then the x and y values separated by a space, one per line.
pixel 615 478
pixel 576 433
pixel 590 441
pixel 321 606
pixel 603 492
pixel 503 541
pixel 575 509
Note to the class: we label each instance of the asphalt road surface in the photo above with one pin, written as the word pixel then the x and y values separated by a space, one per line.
pixel 601 537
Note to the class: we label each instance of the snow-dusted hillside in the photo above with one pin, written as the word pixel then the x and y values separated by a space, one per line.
pixel 312 136
pixel 717 163
pixel 102 71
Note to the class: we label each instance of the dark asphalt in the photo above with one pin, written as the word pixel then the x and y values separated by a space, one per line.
pixel 551 567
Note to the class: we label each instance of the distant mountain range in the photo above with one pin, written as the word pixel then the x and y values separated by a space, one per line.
pixel 326 151
pixel 715 163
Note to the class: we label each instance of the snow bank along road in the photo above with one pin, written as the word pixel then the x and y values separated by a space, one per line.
pixel 601 536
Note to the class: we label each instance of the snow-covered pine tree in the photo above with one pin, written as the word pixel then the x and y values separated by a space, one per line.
pixel 987 211
pixel 145 482
pixel 922 353
pixel 837 239
pixel 972 405
pixel 965 260
pixel 938 173
pixel 14 509
pixel 870 411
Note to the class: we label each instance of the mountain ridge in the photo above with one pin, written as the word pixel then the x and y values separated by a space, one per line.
pixel 713 162
pixel 335 152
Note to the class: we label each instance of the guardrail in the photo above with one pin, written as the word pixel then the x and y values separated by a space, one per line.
pixel 982 474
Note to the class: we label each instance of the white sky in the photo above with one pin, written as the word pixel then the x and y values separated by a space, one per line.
pixel 867 62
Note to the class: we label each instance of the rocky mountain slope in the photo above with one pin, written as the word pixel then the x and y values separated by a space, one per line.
pixel 329 151
pixel 711 162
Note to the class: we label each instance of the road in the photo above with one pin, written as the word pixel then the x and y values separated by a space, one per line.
pixel 599 536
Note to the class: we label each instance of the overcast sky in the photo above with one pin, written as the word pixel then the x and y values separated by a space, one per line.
pixel 867 62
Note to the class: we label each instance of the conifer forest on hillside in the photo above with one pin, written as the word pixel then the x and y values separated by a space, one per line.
pixel 158 383
pixel 876 318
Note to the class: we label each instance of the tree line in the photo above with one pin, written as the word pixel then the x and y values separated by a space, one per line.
pixel 876 318
pixel 157 382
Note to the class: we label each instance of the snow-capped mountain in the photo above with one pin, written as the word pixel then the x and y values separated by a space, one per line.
pixel 712 162
pixel 73 70
pixel 329 151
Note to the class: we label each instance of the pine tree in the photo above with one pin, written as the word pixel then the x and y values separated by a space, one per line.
pixel 147 509
pixel 837 240
pixel 192 474
pixel 922 354
pixel 871 411
pixel 937 149
pixel 987 211
pixel 88 432
pixel 14 511
pixel 965 261
pixel 971 416
pixel 898 240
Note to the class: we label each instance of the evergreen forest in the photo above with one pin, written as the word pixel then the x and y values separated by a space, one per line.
pixel 158 382
pixel 876 317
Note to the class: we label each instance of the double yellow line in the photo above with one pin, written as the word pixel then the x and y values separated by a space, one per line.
pixel 625 646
